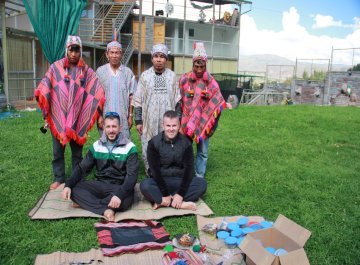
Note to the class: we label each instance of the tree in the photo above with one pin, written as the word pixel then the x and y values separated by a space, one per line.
pixel 355 68
pixel 305 75
pixel 318 75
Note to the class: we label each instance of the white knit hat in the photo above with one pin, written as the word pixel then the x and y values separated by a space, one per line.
pixel 73 40
pixel 161 48
pixel 199 52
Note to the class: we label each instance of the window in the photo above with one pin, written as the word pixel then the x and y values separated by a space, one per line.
pixel 191 32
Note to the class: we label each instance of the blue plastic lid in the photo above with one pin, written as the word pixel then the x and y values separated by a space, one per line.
pixel 222 234
pixel 232 226
pixel 231 240
pixel 247 230
pixel 243 221
pixel 237 232
pixel 271 250
pixel 239 240
pixel 280 251
pixel 256 227
pixel 266 224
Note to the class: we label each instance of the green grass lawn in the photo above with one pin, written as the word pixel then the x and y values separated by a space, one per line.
pixel 300 161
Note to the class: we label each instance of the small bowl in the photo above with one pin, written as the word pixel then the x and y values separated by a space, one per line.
pixel 191 242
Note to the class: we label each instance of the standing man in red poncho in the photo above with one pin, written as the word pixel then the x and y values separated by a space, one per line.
pixel 71 99
pixel 201 105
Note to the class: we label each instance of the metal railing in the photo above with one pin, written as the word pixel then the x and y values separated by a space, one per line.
pixel 21 90
pixel 123 15
pixel 104 8
pixel 100 28
pixel 263 97
pixel 86 29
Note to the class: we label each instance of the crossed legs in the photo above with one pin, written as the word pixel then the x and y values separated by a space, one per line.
pixel 151 191
pixel 95 195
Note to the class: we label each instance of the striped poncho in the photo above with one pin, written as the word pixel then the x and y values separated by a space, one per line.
pixel 201 105
pixel 71 100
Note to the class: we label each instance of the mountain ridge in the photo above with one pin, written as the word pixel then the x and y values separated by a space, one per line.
pixel 281 68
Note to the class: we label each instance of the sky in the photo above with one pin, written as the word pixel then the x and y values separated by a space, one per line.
pixel 302 29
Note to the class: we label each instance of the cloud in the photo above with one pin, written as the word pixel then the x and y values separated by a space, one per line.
pixel 325 22
pixel 322 21
pixel 294 41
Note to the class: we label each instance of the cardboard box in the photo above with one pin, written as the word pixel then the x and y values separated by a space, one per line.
pixel 284 234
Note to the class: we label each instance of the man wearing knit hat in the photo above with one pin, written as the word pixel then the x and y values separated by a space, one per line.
pixel 119 84
pixel 201 106
pixel 157 92
pixel 71 99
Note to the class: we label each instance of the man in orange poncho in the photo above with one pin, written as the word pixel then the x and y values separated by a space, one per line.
pixel 201 106
pixel 71 99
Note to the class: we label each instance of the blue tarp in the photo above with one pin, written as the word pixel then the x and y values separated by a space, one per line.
pixel 8 114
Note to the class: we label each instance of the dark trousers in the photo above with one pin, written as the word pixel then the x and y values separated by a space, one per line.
pixel 95 195
pixel 151 191
pixel 58 162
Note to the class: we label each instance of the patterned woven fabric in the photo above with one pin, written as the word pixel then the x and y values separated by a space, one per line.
pixel 155 94
pixel 71 102
pixel 118 88
pixel 131 237
pixel 188 256
pixel 202 104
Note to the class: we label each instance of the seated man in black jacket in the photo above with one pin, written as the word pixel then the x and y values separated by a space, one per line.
pixel 116 161
pixel 171 163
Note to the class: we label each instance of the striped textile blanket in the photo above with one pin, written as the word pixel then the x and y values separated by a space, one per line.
pixel 131 237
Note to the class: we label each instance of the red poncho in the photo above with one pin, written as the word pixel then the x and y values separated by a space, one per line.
pixel 71 103
pixel 201 105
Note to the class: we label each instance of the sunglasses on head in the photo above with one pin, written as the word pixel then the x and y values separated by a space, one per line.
pixel 112 114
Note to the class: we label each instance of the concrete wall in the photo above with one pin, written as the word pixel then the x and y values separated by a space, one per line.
pixel 226 39
pixel 20 22
pixel 219 66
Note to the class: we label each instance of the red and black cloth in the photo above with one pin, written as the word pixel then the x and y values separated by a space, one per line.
pixel 131 237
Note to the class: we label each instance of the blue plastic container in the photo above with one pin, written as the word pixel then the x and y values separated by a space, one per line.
pixel 247 230
pixel 232 226
pixel 237 232
pixel 239 240
pixel 266 224
pixel 256 227
pixel 231 241
pixel 271 250
pixel 222 235
pixel 280 251
pixel 242 221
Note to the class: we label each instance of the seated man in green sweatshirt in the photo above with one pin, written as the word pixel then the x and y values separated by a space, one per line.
pixel 116 161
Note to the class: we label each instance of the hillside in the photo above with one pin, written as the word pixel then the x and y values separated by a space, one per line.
pixel 258 64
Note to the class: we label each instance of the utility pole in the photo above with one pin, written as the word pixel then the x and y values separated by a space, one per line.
pixel 4 50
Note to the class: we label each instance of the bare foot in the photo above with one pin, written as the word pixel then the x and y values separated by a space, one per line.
pixel 156 206
pixel 75 205
pixel 110 215
pixel 188 206
pixel 55 185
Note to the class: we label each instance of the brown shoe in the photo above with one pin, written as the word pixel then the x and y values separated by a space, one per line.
pixel 55 185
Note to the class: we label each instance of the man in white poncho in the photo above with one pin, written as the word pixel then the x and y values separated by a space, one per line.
pixel 157 92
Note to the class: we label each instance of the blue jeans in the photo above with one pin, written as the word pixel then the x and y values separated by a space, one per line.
pixel 201 158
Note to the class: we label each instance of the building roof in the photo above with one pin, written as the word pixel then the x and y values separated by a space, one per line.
pixel 13 7
pixel 223 2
